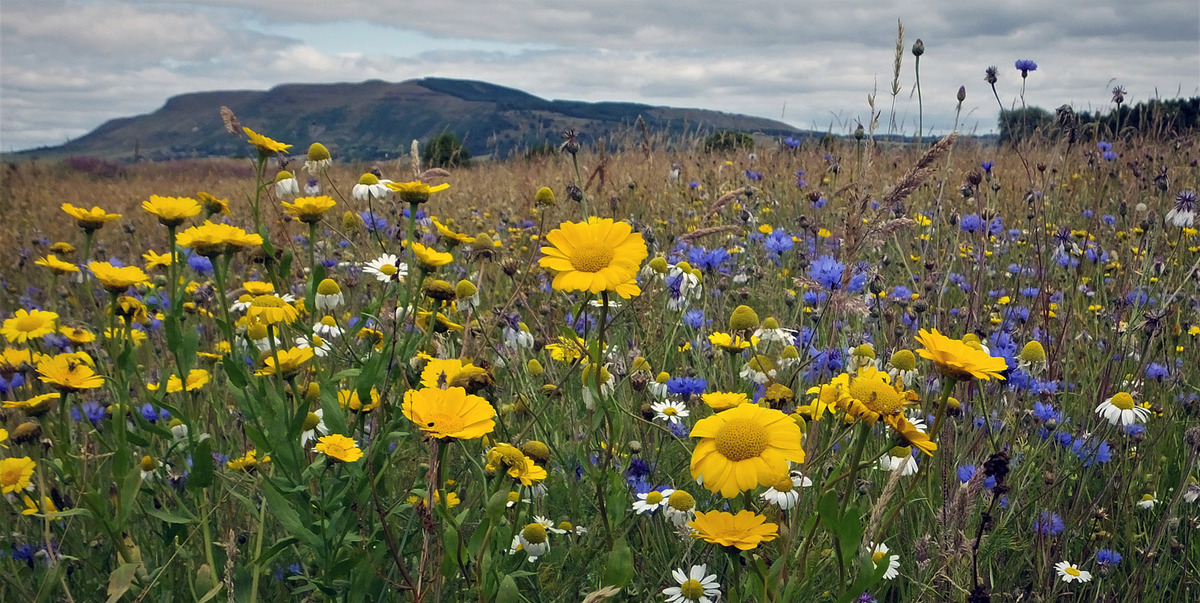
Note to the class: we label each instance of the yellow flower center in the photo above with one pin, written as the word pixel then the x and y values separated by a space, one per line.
pixel 877 395
pixel 311 420
pixel 534 533
pixel 267 301
pixel 691 590
pixel 591 258
pixel 1072 571
pixel 388 269
pixel 878 556
pixel 29 323
pixel 784 485
pixel 654 497
pixel 329 321
pixel 681 501
pixel 670 411
pixel 11 475
pixel 445 423
pixel 513 496
pixel 1122 401
pixel 741 439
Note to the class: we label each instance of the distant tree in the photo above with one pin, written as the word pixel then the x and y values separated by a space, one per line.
pixel 727 140
pixel 1019 124
pixel 446 150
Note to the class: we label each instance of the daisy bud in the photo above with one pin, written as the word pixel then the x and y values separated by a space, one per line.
pixel 352 222
pixel 148 463
pixel 743 319
pixel 658 264
pixel 544 196
pixel 534 367
pixel 904 360
pixel 1033 352
pixel 438 289
pixel 318 152
pixel 536 450
pixel 464 289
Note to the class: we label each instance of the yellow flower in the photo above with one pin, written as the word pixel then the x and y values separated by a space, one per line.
pixel 271 309
pixel 430 259
pixel 957 360
pixel 196 379
pixel 213 205
pixel 729 343
pixel 451 372
pixel 89 219
pixel 266 147
pixel 69 372
pixel 349 399
pixel 28 324
pixel 290 361
pixel 211 240
pixel 449 413
pixel 77 335
pixel 509 458
pixel 171 211
pixel 744 447
pixel 35 406
pixel 744 530
pixel 247 462
pixel 415 192
pixel 15 474
pixel 441 324
pixel 56 265
pixel 309 209
pixel 117 280
pixel 31 507
pixel 869 394
pixel 451 237
pixel 339 447
pixel 156 260
pixel 594 256
pixel 11 360
pixel 720 401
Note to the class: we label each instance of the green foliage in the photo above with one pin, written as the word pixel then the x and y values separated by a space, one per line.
pixel 1022 123
pixel 445 150
pixel 723 141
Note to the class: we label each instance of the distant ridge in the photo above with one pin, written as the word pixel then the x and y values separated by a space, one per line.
pixel 377 120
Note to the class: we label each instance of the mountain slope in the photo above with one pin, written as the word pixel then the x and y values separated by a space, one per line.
pixel 378 120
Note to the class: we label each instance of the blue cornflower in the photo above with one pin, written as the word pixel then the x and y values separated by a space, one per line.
pixel 1107 557
pixel 1104 146
pixel 149 412
pixel 987 166
pixel 965 473
pixel 1156 371
pixel 1089 452
pixel 372 222
pixel 827 271
pixel 638 467
pixel 800 181
pixel 790 142
pixel 693 318
pixel 678 429
pixel 1049 524
pixel 1108 220
pixel 695 184
pixel 1109 155
pixel 752 175
pixel 1135 430
pixel 1025 66
pixel 295 569
pixel 778 242
pixel 686 386
pixel 1046 413
pixel 94 411
pixel 971 223
pixel 202 265
pixel 819 203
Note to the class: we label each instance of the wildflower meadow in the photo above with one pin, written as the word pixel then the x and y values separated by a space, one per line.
pixel 841 369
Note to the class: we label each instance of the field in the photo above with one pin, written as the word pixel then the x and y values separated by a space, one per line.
pixel 836 370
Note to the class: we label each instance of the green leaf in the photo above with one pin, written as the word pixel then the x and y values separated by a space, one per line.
pixel 287 517
pixel 235 372
pixel 508 592
pixel 496 504
pixel 202 466
pixel 168 516
pixel 850 532
pixel 120 581
pixel 620 565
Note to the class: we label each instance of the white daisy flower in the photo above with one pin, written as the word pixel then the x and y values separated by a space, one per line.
pixel 518 338
pixel 669 411
pixel 387 268
pixel 785 493
pixel 327 327
pixel 1069 572
pixel 314 426
pixel 1147 502
pixel 242 303
pixel 680 509
pixel 899 458
pixel 533 539
pixel 1121 409
pixel 287 187
pixel 320 347
pixel 878 553
pixel 649 502
pixel 694 586
pixel 370 186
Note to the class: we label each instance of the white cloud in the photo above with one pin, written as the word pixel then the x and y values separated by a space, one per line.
pixel 67 66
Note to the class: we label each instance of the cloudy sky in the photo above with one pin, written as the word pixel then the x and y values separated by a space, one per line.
pixel 66 66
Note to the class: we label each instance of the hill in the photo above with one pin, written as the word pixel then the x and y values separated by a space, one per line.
pixel 378 120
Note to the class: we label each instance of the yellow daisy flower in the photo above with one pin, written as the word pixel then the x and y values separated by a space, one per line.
pixel 28 324
pixel 210 240
pixel 117 280
pixel 15 474
pixel 171 211
pixel 349 399
pixel 430 259
pixel 265 146
pixel 594 256
pixel 957 360
pixel 89 219
pixel 415 192
pixel 309 209
pixel 339 447
pixel 69 372
pixel 449 413
pixel 271 309
pixel 743 448
pixel 743 531
pixel 56 265
pixel 35 406
pixel 290 362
